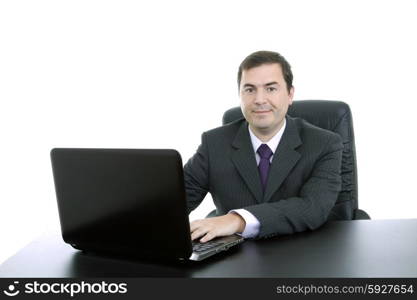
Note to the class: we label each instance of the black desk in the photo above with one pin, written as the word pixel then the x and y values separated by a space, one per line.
pixel 366 248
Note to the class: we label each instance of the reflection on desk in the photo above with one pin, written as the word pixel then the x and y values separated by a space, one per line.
pixel 363 248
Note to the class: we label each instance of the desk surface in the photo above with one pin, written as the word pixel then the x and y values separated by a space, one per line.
pixel 365 248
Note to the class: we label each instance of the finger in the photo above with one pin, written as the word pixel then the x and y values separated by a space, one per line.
pixel 198 233
pixel 194 225
pixel 208 237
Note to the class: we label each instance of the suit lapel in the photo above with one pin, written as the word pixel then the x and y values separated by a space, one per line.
pixel 244 160
pixel 285 157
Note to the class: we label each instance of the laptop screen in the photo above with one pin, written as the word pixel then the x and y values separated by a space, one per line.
pixel 122 200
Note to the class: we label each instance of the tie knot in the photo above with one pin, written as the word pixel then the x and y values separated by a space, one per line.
pixel 264 151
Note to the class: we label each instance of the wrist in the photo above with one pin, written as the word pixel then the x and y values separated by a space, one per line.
pixel 240 222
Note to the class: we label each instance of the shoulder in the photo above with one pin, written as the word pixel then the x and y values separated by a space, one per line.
pixel 311 134
pixel 227 131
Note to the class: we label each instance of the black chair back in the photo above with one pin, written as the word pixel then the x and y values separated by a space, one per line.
pixel 337 117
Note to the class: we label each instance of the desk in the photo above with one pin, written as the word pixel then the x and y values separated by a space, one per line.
pixel 363 248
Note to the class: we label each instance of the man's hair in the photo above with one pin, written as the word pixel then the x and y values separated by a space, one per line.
pixel 266 57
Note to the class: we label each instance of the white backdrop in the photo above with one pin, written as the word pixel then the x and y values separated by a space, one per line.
pixel 156 74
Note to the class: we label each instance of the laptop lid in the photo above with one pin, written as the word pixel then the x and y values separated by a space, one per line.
pixel 123 201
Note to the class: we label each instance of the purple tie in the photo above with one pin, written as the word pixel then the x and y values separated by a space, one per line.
pixel 265 153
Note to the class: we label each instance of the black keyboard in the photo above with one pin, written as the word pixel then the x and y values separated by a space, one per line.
pixel 201 247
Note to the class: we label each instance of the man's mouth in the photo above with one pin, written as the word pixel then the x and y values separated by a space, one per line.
pixel 261 111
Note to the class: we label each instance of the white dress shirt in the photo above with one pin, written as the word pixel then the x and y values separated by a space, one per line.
pixel 252 223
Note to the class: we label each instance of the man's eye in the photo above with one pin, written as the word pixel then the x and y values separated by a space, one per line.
pixel 271 89
pixel 248 90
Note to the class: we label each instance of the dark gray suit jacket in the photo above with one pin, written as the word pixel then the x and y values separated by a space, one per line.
pixel 303 183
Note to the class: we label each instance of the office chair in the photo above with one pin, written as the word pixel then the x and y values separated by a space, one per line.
pixel 337 117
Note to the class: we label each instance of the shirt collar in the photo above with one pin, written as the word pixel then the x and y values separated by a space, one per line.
pixel 272 143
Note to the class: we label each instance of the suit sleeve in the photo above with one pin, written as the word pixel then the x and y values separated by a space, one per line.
pixel 196 176
pixel 316 198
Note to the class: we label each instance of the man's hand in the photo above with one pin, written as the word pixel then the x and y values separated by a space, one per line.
pixel 217 226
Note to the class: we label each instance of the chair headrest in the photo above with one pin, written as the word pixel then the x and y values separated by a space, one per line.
pixel 325 114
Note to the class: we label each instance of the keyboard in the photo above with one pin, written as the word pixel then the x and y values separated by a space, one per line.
pixel 204 250
pixel 202 247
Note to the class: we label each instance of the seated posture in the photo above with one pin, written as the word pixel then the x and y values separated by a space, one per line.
pixel 269 173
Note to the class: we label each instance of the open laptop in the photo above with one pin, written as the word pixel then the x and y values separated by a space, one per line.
pixel 127 201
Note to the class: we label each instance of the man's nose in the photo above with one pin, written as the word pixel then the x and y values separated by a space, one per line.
pixel 260 97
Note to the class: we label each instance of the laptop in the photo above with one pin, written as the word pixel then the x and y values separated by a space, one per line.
pixel 127 201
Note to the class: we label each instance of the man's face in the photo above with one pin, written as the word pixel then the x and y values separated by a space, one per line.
pixel 265 98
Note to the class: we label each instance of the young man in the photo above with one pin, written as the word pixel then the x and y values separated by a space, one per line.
pixel 270 173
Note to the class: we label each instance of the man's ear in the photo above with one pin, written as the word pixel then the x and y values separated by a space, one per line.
pixel 291 94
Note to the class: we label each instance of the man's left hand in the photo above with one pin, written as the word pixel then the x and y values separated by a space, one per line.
pixel 210 228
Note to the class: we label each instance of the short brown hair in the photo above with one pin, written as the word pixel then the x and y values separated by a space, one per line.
pixel 266 57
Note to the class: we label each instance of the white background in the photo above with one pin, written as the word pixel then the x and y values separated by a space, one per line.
pixel 156 74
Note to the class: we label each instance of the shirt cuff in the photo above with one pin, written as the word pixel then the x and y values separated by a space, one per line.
pixel 252 224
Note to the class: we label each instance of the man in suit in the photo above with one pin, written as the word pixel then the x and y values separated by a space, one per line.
pixel 269 173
